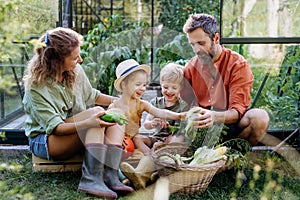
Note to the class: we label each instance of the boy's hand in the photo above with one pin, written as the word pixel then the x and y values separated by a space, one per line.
pixel 157 122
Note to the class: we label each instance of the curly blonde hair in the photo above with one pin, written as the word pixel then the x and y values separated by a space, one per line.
pixel 50 52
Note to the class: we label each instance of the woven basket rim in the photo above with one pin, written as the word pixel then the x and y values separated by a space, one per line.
pixel 197 167
pixel 205 172
pixel 202 167
pixel 157 152
pixel 158 147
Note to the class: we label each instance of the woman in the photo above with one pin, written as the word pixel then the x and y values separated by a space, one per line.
pixel 59 125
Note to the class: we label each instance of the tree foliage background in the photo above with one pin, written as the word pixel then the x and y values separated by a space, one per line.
pixel 174 13
pixel 22 20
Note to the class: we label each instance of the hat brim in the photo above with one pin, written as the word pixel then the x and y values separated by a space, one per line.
pixel 117 82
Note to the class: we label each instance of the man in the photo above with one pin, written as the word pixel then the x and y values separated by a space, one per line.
pixel 221 80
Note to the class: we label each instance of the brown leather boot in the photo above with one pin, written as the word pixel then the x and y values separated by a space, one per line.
pixel 91 181
pixel 112 164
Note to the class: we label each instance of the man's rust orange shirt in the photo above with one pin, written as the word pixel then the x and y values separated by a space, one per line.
pixel 229 90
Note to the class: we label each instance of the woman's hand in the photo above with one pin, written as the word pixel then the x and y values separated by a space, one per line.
pixel 102 122
pixel 95 121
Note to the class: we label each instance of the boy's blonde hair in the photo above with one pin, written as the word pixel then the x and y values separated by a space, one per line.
pixel 172 73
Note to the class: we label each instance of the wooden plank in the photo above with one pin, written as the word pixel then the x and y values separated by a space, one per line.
pixel 271 148
pixel 43 165
pixel 17 123
pixel 13 150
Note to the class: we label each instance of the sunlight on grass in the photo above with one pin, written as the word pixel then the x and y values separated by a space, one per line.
pixel 13 192
pixel 266 181
pixel 270 176
pixel 14 167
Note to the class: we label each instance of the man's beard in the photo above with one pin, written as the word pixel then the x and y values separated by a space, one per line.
pixel 206 58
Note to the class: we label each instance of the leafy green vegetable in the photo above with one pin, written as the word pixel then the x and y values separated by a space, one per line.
pixel 173 129
pixel 238 144
pixel 211 138
pixel 190 131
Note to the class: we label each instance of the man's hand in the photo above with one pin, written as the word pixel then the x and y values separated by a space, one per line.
pixel 205 119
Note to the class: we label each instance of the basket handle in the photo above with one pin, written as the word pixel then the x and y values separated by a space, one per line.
pixel 177 167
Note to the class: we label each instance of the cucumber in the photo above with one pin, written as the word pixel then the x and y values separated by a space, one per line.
pixel 114 117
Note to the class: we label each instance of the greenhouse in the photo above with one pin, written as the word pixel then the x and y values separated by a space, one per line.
pixel 265 33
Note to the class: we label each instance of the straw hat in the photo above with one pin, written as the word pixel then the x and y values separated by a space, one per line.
pixel 125 68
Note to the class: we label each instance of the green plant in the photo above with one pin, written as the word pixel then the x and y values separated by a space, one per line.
pixel 3 136
pixel 107 45
pixel 281 93
pixel 214 137
pixel 6 82
pixel 118 39
pixel 174 13
pixel 13 191
pixel 177 49
pixel 20 22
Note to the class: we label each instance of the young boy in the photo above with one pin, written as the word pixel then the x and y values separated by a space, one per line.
pixel 171 81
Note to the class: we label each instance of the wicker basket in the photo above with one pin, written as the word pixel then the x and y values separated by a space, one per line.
pixel 182 177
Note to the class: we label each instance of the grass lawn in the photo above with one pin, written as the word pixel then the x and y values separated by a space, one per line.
pixel 269 177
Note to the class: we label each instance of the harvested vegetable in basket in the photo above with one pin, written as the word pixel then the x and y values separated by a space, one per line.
pixel 211 138
pixel 204 155
pixel 180 160
pixel 114 117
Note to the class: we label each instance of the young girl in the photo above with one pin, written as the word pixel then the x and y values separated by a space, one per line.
pixel 171 81
pixel 59 125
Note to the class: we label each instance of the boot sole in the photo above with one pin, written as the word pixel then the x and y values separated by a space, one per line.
pixel 98 194
pixel 122 189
